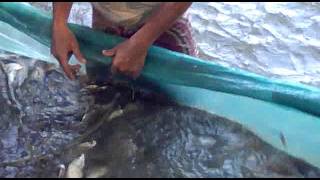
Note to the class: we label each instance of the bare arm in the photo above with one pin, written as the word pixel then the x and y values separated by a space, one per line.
pixel 64 43
pixel 160 21
pixel 61 11
pixel 129 56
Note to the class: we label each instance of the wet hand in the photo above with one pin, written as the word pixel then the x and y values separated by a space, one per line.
pixel 128 58
pixel 63 45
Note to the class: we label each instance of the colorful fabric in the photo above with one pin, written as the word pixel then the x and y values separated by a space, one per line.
pixel 178 38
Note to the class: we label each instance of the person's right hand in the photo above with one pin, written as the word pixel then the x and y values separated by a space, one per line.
pixel 63 45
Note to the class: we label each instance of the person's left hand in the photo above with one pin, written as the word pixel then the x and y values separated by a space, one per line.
pixel 128 58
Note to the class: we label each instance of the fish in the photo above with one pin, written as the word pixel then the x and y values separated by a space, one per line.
pixel 8 79
pixel 75 168
pixel 97 172
pixel 83 147
pixel 11 70
pixel 115 114
pixel 283 140
pixel 62 171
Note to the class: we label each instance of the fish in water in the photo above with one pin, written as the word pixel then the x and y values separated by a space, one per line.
pixel 172 141
pixel 62 171
pixel 75 168
pixel 148 138
pixel 97 172
pixel 52 105
pixel 283 140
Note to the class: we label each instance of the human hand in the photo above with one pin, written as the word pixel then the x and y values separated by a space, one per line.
pixel 63 45
pixel 128 57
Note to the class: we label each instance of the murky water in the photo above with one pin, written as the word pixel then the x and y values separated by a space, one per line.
pixel 171 141
pixel 45 117
pixel 37 116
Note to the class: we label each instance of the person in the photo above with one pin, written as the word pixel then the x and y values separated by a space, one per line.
pixel 142 23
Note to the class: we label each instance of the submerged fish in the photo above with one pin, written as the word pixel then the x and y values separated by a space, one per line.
pixel 283 140
pixel 51 106
pixel 75 168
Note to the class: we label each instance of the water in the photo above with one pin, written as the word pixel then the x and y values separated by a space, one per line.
pixel 37 116
pixel 137 133
pixel 171 142
pixel 276 39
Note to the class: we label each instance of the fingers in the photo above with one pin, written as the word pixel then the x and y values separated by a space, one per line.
pixel 114 70
pixel 110 52
pixel 133 74
pixel 70 70
pixel 77 53
pixel 121 66
pixel 63 54
pixel 67 68
pixel 75 68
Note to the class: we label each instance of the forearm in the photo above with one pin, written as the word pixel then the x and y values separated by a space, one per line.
pixel 61 11
pixel 160 21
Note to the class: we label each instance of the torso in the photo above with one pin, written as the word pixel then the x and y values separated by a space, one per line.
pixel 125 14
